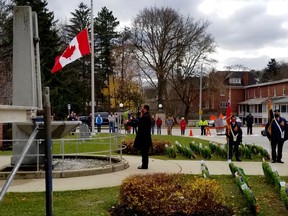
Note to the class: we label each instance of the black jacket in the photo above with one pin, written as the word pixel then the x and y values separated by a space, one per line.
pixel 143 138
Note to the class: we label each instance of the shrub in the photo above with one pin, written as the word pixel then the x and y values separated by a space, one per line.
pixel 170 194
pixel 158 147
pixel 170 151
pixel 242 182
pixel 273 178
pixel 185 151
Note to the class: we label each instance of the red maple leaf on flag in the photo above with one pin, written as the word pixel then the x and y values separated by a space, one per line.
pixel 69 51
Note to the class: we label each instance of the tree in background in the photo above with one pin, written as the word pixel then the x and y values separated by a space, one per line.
pixel 192 63
pixel 126 73
pixel 49 49
pixel 6 36
pixel 162 37
pixel 105 36
pixel 271 72
pixel 77 86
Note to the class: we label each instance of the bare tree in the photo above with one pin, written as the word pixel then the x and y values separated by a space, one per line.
pixel 161 37
pixel 191 65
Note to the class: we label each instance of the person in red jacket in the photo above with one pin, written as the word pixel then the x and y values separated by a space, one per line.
pixel 159 124
pixel 182 124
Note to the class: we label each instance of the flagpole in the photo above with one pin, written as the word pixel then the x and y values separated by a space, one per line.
pixel 92 72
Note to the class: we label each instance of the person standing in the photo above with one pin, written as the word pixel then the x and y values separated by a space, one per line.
pixel 111 120
pixel 276 136
pixel 152 125
pixel 159 125
pixel 201 124
pixel 89 121
pixel 143 139
pixel 234 137
pixel 182 124
pixel 99 122
pixel 169 124
pixel 249 123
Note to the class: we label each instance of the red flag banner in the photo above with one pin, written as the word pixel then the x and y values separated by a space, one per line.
pixel 270 116
pixel 77 48
pixel 228 117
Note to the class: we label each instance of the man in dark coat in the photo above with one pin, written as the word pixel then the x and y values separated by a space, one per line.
pixel 143 140
pixel 234 136
pixel 249 123
pixel 277 136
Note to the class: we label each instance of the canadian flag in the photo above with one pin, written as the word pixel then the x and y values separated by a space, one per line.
pixel 77 48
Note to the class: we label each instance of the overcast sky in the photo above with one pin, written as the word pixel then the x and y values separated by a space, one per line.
pixel 247 32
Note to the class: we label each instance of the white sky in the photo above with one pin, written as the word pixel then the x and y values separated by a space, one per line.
pixel 247 32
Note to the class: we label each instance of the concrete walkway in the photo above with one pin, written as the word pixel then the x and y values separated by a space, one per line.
pixel 155 165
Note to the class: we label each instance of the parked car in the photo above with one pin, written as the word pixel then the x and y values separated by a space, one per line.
pixel 211 123
pixel 104 115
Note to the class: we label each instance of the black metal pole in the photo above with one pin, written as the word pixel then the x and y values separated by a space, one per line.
pixel 48 153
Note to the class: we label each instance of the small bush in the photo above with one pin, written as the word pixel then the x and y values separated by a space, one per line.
pixel 171 194
pixel 158 147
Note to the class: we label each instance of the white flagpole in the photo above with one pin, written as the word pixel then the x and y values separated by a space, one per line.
pixel 92 72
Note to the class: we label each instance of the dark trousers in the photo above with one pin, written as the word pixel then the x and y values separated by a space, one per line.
pixel 145 157
pixel 99 128
pixel 274 144
pixel 249 129
pixel 203 130
pixel 233 146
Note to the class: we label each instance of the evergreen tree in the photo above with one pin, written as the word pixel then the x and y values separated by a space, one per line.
pixel 271 72
pixel 104 25
pixel 6 36
pixel 79 82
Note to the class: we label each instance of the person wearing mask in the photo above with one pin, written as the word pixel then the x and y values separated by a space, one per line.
pixel 143 139
pixel 234 138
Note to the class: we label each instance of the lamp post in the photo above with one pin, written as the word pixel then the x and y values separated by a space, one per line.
pixel 121 105
pixel 200 93
pixel 160 106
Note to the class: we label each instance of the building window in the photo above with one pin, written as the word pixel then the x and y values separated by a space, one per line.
pixel 260 92
pixel 222 92
pixel 274 91
pixel 235 81
pixel 224 104
pixel 283 108
pixel 254 93
pixel 284 90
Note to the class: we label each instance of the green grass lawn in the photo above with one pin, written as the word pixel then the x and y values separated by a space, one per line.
pixel 104 142
pixel 99 201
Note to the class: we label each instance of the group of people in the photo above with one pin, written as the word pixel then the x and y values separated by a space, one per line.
pixel 145 124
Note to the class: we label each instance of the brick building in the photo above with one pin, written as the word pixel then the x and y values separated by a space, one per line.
pixel 215 98
pixel 256 100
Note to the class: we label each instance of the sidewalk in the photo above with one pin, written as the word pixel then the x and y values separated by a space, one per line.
pixel 115 178
pixel 155 165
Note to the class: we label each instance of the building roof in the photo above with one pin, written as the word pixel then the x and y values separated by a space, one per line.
pixel 254 101
pixel 258 101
